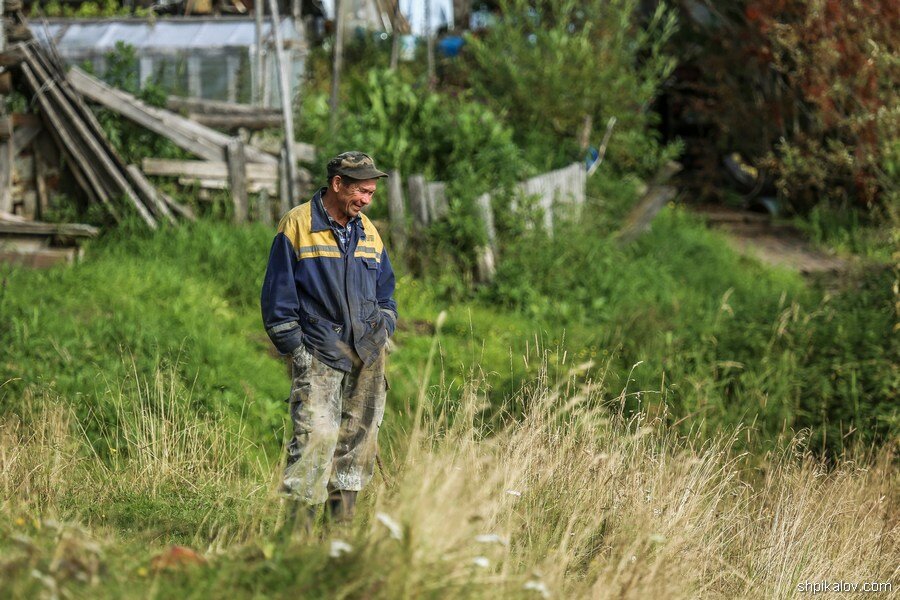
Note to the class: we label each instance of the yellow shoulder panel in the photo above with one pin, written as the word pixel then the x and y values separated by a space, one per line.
pixel 373 244
pixel 296 225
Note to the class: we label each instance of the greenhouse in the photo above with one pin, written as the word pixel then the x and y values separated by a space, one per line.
pixel 213 58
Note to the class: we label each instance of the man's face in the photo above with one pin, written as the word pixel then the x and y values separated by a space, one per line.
pixel 355 196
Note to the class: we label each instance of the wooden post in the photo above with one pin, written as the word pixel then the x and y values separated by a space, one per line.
pixel 237 179
pixel 40 184
pixel 6 164
pixel 396 213
pixel 267 81
pixel 602 151
pixel 264 207
pixel 486 256
pixel 231 74
pixel 438 208
pixel 285 200
pixel 338 61
pixel 286 100
pixel 430 45
pixel 395 36
pixel 418 201
pixel 2 29
pixel 6 146
pixel 259 10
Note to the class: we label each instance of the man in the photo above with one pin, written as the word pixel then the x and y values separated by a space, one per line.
pixel 327 300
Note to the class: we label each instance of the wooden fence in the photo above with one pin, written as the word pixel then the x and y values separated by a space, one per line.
pixel 428 204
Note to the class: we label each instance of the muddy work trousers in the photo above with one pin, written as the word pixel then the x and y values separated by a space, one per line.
pixel 336 417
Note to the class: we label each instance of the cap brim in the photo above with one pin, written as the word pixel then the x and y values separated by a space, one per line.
pixel 363 173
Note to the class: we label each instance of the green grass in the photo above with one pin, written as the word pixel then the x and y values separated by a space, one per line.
pixel 719 338
pixel 142 406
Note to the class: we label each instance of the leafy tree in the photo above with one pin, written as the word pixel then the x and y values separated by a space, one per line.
pixel 805 90
pixel 548 64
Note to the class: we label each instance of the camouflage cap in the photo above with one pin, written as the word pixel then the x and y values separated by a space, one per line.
pixel 355 165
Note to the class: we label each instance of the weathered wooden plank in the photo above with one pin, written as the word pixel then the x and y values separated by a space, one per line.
pixel 232 122
pixel 486 216
pixel 486 255
pixel 642 215
pixel 237 179
pixel 41 258
pixel 286 202
pixel 136 187
pixel 22 137
pixel 165 124
pixel 418 200
pixel 397 212
pixel 201 105
pixel 287 100
pixel 193 137
pixel 40 183
pixel 200 169
pixel 302 151
pixel 222 184
pixel 438 207
pixel 11 57
pixel 264 208
pixel 150 194
pixel 81 165
pixel 485 264
pixel 178 208
pixel 91 141
pixel 6 162
pixel 41 228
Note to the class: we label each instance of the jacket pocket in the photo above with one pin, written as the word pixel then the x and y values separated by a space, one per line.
pixel 324 337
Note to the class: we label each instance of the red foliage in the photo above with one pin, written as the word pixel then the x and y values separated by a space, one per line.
pixel 811 67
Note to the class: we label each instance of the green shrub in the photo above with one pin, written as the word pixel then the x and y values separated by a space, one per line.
pixel 547 65
pixel 452 139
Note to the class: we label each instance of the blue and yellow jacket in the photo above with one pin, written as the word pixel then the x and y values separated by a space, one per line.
pixel 334 302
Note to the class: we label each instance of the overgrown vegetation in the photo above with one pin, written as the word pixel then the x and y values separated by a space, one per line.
pixel 660 419
pixel 550 65
pixel 807 91
pixel 613 507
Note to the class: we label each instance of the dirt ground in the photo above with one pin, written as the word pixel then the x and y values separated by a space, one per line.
pixel 754 234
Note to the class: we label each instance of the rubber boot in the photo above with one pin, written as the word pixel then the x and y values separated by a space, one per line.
pixel 298 514
pixel 341 505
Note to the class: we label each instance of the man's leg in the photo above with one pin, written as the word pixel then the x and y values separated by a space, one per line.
pixel 315 405
pixel 357 444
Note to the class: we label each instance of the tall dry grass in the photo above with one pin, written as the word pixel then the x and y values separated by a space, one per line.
pixel 569 498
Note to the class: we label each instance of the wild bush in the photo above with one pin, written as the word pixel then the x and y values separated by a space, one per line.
pixel 807 90
pixel 546 66
pixel 456 140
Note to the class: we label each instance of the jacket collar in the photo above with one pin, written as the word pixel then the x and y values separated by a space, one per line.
pixel 320 218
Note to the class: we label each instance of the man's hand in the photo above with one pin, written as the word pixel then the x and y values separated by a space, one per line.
pixel 301 358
